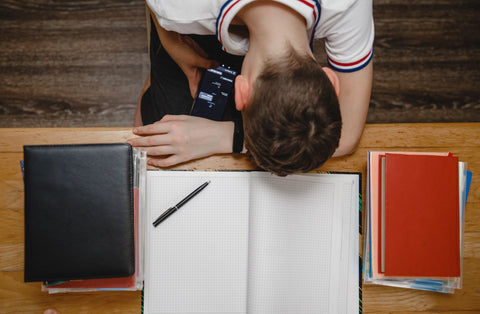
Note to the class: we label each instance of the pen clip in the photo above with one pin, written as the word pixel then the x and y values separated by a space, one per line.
pixel 164 216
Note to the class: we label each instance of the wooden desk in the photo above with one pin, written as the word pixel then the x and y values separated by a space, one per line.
pixel 463 139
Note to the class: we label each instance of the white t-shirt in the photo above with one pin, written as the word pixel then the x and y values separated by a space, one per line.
pixel 346 25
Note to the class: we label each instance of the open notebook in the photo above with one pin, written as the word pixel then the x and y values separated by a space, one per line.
pixel 252 242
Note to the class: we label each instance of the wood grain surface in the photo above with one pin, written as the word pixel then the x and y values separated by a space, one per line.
pixel 82 63
pixel 71 63
pixel 462 139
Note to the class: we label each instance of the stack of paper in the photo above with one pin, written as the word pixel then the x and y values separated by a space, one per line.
pixel 414 220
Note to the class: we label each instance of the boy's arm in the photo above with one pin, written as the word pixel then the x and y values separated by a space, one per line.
pixel 186 53
pixel 180 138
pixel 354 99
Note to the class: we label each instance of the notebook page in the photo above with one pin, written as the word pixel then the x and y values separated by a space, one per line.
pixel 346 262
pixel 303 245
pixel 196 259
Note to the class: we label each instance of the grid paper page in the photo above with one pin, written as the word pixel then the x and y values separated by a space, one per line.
pixel 196 259
pixel 345 263
pixel 302 244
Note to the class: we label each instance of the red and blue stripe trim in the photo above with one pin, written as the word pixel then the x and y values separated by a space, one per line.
pixel 352 66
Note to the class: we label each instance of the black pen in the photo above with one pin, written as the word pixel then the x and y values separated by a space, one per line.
pixel 173 209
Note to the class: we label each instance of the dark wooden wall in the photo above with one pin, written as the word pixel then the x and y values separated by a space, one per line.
pixel 82 63
pixel 427 61
pixel 71 63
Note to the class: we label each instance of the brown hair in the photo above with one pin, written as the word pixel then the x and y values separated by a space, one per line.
pixel 293 122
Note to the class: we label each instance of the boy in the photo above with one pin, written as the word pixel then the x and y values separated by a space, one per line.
pixel 292 107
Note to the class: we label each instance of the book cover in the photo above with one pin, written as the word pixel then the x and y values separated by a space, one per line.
pixel 421 216
pixel 79 215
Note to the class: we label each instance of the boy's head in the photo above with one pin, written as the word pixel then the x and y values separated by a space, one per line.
pixel 292 121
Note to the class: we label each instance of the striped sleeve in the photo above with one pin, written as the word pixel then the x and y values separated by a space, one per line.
pixel 351 66
pixel 349 37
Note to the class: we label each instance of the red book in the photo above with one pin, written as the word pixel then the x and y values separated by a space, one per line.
pixel 422 236
pixel 381 215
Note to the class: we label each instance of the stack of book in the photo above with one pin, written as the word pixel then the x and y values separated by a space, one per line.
pixel 414 220
pixel 82 212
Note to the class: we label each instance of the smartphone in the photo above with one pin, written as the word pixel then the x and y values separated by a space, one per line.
pixel 215 92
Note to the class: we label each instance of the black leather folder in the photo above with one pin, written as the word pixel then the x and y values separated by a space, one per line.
pixel 79 214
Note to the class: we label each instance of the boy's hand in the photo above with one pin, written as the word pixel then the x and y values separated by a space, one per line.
pixel 190 57
pixel 181 138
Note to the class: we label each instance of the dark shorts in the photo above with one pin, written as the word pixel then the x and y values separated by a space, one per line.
pixel 169 92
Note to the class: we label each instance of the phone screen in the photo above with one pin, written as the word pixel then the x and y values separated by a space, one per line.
pixel 215 89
